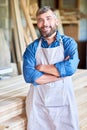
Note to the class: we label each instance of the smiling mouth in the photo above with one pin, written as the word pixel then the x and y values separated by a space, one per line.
pixel 45 29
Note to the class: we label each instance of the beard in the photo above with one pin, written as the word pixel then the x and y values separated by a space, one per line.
pixel 47 31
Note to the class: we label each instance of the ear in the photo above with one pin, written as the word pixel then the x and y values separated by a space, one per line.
pixel 57 22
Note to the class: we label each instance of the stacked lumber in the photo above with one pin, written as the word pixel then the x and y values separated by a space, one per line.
pixel 12 101
pixel 71 15
pixel 13 92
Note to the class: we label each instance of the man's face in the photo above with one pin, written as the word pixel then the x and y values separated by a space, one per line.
pixel 47 23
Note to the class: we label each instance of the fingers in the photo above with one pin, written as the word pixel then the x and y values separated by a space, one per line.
pixel 67 58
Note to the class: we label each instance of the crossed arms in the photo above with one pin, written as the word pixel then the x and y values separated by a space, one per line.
pixel 42 74
pixel 51 73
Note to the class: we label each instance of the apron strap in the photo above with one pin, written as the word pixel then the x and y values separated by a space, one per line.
pixel 40 41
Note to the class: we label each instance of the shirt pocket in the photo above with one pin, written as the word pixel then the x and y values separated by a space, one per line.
pixel 56 94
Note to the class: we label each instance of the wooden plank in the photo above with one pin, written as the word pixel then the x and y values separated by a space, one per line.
pixel 15 32
pixel 16 93
pixel 19 26
pixel 14 106
pixel 12 89
pixel 27 38
pixel 13 52
pixel 11 115
pixel 12 48
pixel 10 110
pixel 17 123
pixel 28 19
pixel 13 81
pixel 7 104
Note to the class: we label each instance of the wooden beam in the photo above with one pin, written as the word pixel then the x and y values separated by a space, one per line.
pixel 28 19
pixel 19 26
pixel 27 38
pixel 15 33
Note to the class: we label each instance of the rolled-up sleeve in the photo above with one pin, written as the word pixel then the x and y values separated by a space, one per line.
pixel 68 67
pixel 29 62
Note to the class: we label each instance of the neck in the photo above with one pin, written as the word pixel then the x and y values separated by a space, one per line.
pixel 51 38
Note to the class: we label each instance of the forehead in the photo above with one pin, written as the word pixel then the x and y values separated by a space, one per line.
pixel 49 13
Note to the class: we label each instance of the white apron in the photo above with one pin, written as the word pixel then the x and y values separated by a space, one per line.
pixel 51 106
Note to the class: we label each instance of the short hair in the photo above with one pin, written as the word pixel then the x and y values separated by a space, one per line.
pixel 44 10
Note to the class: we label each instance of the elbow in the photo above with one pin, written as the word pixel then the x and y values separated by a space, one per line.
pixel 26 76
pixel 27 79
pixel 71 72
pixel 72 68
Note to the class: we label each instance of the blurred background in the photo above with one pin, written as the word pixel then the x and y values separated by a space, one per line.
pixel 18 28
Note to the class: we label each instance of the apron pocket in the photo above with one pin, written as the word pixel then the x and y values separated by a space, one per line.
pixel 56 94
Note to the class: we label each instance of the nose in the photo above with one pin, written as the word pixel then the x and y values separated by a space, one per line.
pixel 45 22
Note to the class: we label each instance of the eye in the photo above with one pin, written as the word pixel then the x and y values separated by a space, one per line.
pixel 49 18
pixel 40 20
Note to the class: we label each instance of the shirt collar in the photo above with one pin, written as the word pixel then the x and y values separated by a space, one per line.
pixel 58 36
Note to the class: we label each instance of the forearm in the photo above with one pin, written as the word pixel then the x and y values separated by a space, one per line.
pixel 46 78
pixel 67 68
pixel 48 69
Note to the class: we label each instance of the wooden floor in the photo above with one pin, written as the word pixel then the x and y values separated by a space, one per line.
pixel 13 93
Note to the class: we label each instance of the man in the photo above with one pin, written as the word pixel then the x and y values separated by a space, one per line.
pixel 48 64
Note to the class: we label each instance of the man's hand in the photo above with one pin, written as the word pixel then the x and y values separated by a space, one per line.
pixel 51 73
pixel 67 58
pixel 48 69
pixel 40 67
pixel 46 78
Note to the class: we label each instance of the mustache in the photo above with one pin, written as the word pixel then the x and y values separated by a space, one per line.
pixel 45 27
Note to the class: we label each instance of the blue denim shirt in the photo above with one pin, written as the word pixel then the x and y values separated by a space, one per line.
pixel 65 68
